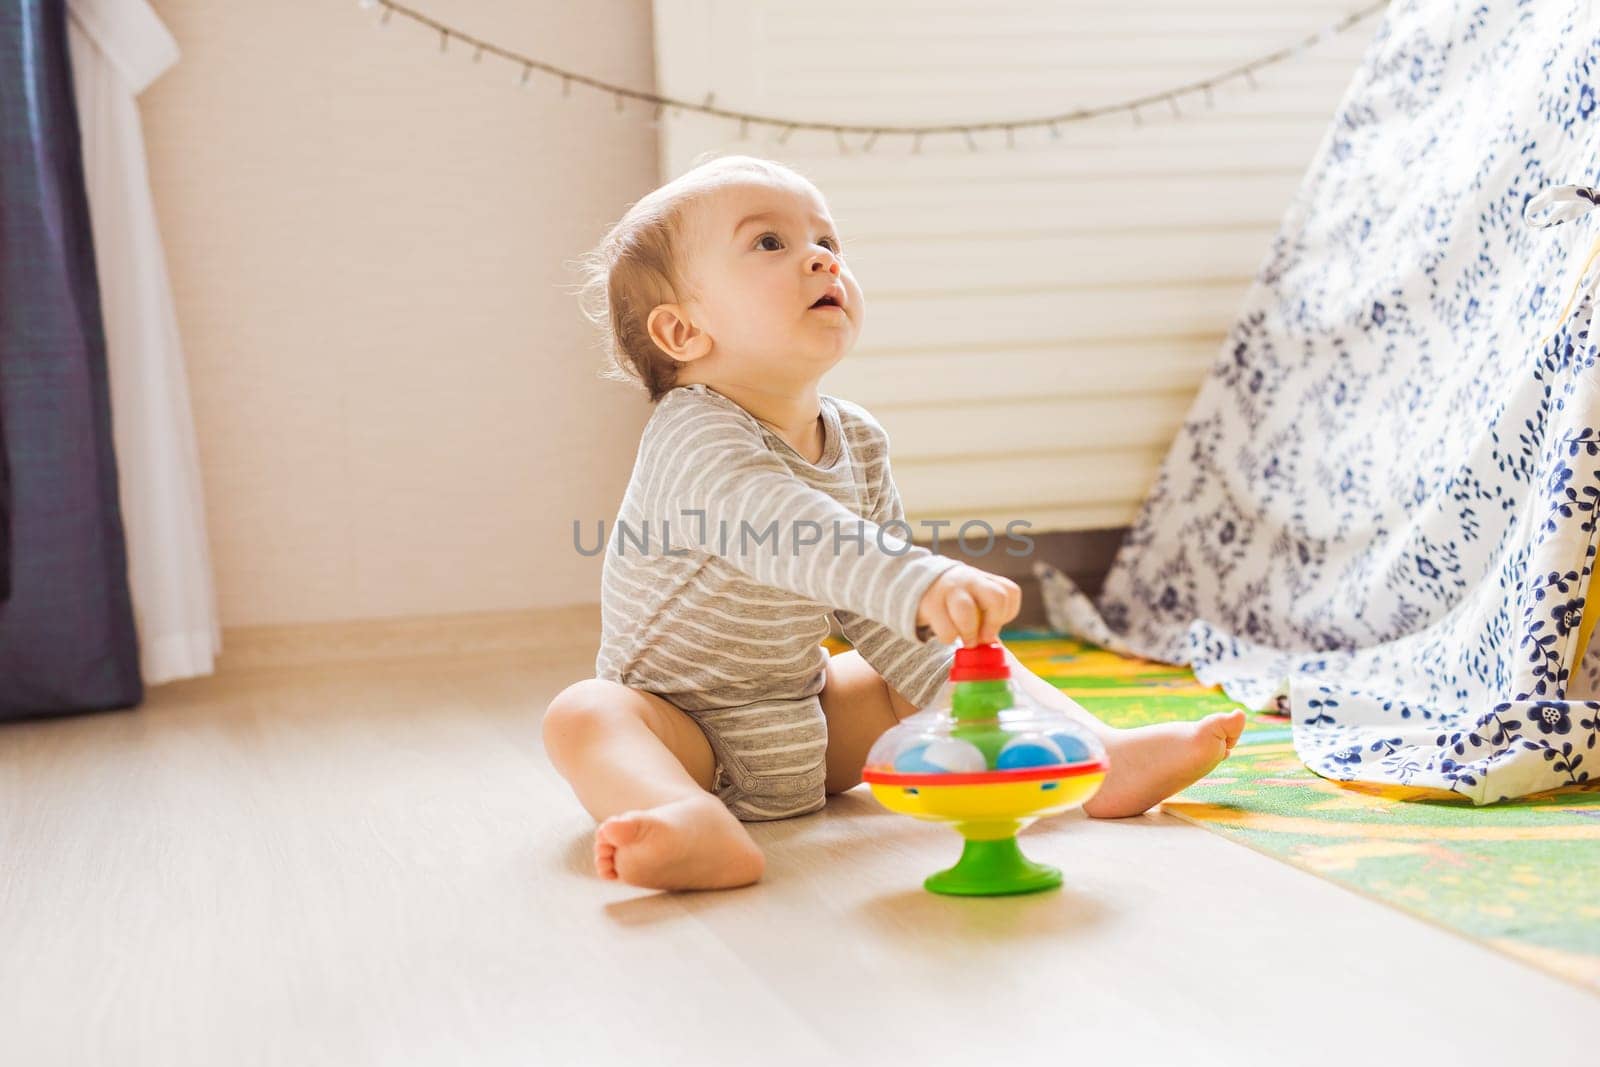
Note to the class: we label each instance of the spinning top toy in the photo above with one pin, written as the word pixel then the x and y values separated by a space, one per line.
pixel 988 764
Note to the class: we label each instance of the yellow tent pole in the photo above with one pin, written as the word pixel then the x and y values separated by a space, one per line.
pixel 1591 613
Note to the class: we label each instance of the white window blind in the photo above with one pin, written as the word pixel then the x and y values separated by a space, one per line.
pixel 1038 319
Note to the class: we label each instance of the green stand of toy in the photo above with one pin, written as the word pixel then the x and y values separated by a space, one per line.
pixel 991 863
pixel 992 869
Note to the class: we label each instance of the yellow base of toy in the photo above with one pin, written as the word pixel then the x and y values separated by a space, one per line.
pixel 989 810
pixel 988 815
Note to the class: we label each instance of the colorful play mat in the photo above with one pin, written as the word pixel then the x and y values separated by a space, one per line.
pixel 1519 876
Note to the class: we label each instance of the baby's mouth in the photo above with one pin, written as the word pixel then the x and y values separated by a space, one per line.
pixel 827 300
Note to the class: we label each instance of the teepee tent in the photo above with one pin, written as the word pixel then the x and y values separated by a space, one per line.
pixel 1381 510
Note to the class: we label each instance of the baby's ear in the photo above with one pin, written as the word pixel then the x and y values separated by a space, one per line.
pixel 675 333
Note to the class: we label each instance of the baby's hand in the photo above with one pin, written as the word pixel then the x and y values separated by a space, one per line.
pixel 970 604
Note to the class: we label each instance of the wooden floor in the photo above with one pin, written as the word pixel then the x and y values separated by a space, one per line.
pixel 372 863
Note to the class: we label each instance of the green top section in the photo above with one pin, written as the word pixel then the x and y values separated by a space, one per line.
pixel 973 701
pixel 975 706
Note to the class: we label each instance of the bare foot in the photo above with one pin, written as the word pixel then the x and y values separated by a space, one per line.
pixel 693 843
pixel 1151 763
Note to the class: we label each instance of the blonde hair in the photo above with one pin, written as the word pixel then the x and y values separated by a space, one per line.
pixel 638 266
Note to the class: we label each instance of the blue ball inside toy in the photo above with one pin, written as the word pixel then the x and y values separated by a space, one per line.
pixel 1029 750
pixel 1073 749
pixel 945 756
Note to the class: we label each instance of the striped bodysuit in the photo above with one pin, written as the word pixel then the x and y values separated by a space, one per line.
pixel 728 553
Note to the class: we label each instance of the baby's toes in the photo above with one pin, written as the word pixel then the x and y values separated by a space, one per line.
pixel 605 858
pixel 1226 727
pixel 619 831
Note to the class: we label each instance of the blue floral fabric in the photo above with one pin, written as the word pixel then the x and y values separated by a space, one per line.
pixel 1381 511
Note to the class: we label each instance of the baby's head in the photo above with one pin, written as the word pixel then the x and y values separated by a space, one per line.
pixel 724 276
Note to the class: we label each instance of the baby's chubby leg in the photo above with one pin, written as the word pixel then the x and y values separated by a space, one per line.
pixel 859 706
pixel 1149 763
pixel 643 769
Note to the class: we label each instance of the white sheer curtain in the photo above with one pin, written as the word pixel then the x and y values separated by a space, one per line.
pixel 118 48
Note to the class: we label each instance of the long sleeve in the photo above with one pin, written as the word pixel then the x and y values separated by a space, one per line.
pixel 914 669
pixel 724 493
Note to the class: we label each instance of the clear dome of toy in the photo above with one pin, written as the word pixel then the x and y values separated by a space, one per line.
pixel 987 761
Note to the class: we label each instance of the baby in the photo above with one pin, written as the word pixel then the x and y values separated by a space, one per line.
pixel 757 507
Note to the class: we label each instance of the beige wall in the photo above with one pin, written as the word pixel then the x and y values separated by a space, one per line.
pixel 395 395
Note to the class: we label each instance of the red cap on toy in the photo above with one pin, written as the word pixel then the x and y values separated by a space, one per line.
pixel 980 663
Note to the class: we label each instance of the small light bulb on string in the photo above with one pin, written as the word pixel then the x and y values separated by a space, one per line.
pixel 444 40
pixel 838 136
pixel 619 104
pixel 388 13
pixel 1210 100
pixel 916 145
pixel 783 138
pixel 1176 113
pixel 971 143
pixel 477 54
pixel 1250 77
pixel 527 72
pixel 872 139
pixel 744 129
pixel 1055 132
pixel 1138 119
pixel 566 85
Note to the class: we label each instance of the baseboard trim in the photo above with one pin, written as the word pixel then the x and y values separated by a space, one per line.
pixel 565 629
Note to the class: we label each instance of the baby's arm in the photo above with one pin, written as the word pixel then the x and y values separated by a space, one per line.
pixel 725 494
pixel 916 669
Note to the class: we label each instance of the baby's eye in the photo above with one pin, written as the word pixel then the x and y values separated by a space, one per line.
pixel 831 244
pixel 775 246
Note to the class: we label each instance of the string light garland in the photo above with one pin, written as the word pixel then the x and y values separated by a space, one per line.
pixel 872 133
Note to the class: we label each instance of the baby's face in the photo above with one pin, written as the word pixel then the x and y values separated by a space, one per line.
pixel 770 285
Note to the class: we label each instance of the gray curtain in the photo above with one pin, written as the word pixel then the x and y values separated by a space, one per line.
pixel 67 640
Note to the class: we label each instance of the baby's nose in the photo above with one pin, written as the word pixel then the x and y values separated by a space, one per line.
pixel 827 263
